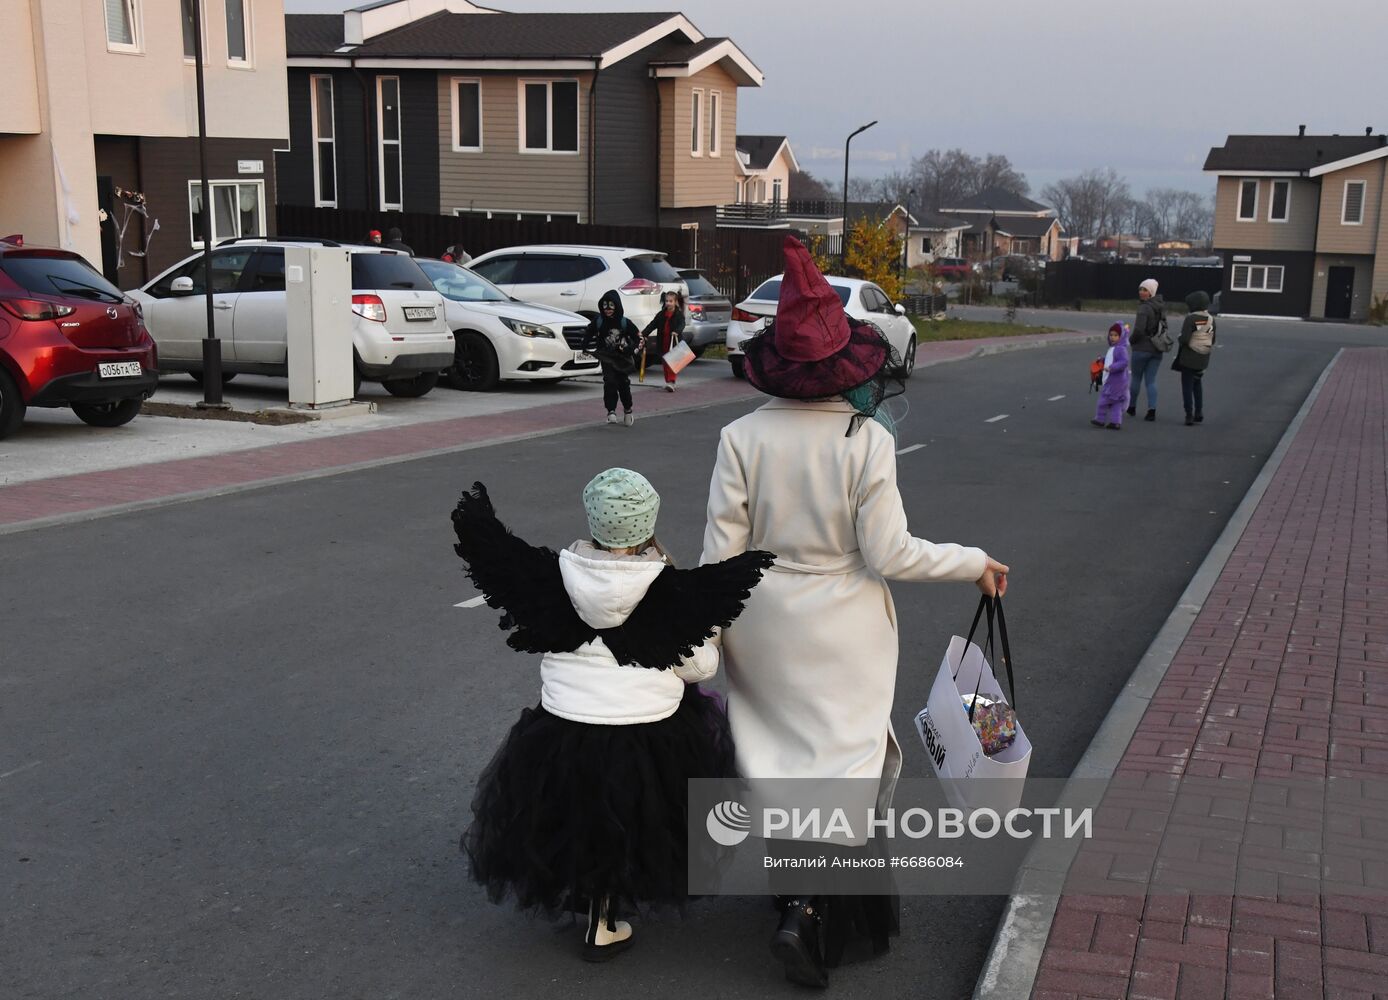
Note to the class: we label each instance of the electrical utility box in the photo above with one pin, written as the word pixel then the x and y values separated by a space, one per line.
pixel 318 289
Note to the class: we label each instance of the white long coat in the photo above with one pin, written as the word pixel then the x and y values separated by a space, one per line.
pixel 811 661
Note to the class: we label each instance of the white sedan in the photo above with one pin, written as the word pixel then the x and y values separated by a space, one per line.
pixel 861 299
pixel 497 338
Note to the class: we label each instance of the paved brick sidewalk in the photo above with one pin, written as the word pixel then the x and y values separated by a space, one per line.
pixel 41 501
pixel 1284 674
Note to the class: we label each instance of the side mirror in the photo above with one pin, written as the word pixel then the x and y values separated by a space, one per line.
pixel 182 286
pixel 900 309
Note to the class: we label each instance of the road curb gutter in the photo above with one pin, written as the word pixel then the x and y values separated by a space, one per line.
pixel 1014 958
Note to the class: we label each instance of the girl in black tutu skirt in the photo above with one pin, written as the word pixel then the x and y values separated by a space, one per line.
pixel 586 801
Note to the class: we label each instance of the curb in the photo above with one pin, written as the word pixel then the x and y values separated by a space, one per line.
pixel 1014 958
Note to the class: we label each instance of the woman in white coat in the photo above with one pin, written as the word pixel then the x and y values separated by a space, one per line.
pixel 812 661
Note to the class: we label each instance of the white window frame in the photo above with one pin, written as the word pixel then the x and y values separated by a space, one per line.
pixel 318 200
pixel 137 35
pixel 714 111
pixel 549 149
pixel 777 197
pixel 249 61
pixel 457 114
pixel 195 187
pixel 696 122
pixel 1238 205
pixel 1272 200
pixel 1267 271
pixel 382 142
pixel 189 60
pixel 1344 201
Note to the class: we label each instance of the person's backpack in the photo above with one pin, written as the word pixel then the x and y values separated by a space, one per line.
pixel 1161 337
pixel 1202 337
pixel 1096 374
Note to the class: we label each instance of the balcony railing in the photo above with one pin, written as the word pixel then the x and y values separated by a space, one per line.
pixel 750 214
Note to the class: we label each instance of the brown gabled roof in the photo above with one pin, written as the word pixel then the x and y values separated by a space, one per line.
pixel 1025 226
pixel 996 200
pixel 1288 152
pixel 682 55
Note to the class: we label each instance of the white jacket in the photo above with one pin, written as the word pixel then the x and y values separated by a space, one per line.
pixel 588 684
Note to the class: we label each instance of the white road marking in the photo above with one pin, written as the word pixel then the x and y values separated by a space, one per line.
pixel 26 767
pixel 909 448
pixel 994 420
pixel 1054 398
pixel 471 602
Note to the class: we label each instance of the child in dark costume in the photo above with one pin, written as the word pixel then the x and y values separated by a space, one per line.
pixel 1113 396
pixel 616 342
pixel 586 801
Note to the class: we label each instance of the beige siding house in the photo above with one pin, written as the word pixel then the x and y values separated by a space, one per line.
pixel 1300 222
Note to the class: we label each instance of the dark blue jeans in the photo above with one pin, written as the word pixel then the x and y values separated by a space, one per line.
pixel 1192 394
pixel 1144 369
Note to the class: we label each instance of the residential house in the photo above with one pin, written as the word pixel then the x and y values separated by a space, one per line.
pixel 1003 222
pixel 100 98
pixel 765 163
pixel 1302 223
pixel 928 234
pixel 442 106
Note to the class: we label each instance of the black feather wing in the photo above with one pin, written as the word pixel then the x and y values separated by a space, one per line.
pixel 522 580
pixel 682 608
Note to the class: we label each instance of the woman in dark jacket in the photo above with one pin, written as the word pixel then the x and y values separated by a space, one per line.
pixel 616 342
pixel 1193 357
pixel 669 326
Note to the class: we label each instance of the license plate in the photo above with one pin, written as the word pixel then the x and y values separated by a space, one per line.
pixel 119 369
pixel 419 312
pixel 582 358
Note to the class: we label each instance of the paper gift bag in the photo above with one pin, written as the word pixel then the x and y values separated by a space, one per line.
pixel 972 779
pixel 678 357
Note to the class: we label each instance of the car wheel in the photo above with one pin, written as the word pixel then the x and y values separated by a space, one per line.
pixel 475 366
pixel 412 388
pixel 11 405
pixel 114 414
pixel 739 371
pixel 908 361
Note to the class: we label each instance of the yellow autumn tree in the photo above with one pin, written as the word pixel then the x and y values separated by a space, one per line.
pixel 815 245
pixel 874 252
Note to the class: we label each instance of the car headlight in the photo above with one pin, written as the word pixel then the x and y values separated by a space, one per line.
pixel 527 329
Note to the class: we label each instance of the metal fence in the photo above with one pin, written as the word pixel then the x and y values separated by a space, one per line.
pixel 735 260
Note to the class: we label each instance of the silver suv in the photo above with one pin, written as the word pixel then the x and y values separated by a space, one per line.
pixel 400 336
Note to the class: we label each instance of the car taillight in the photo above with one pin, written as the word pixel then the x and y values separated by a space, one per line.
pixel 640 286
pixel 695 308
pixel 369 307
pixel 35 308
pixel 743 316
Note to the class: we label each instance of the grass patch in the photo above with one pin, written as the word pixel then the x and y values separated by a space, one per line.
pixel 928 330
pixel 715 352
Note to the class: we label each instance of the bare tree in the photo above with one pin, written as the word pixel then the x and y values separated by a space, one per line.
pixel 996 171
pixel 1094 203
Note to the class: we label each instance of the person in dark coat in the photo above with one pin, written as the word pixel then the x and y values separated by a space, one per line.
pixel 1193 356
pixel 1146 357
pixel 668 325
pixel 614 340
pixel 395 241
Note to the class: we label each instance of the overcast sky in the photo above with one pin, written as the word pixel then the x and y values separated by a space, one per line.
pixel 1058 86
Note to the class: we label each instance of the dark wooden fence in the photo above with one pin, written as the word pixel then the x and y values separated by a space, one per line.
pixel 1069 280
pixel 735 260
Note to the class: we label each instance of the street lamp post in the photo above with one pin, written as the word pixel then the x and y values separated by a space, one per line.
pixel 211 346
pixel 843 241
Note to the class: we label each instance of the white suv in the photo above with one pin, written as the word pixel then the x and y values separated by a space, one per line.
pixel 399 333
pixel 574 277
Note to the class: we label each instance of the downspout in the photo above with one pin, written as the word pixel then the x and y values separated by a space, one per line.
pixel 1315 256
pixel 659 150
pixel 369 205
pixel 593 140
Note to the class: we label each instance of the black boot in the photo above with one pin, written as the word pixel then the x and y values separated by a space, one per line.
pixel 796 943
pixel 1132 411
pixel 1190 421
pixel 1151 415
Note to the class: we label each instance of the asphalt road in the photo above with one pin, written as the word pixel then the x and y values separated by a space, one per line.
pixel 238 737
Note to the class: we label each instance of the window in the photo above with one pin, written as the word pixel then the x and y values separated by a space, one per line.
pixel 498 270
pixel 238 32
pixel 190 49
pixel 324 143
pixel 770 291
pixel 388 141
pixel 467 116
pixel 227 267
pixel 536 269
pixel 122 25
pixel 1352 209
pixel 696 118
pixel 776 191
pixel 652 269
pixel 1278 203
pixel 925 244
pixel 714 99
pixel 549 116
pixel 1248 201
pixel 1256 278
pixel 238 209
pixel 269 272
pixel 387 270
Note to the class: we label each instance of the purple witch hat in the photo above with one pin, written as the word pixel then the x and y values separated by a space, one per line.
pixel 813 349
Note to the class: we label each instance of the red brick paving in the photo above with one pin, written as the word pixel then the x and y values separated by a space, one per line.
pixel 1293 629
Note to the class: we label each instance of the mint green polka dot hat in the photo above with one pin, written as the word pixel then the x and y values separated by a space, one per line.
pixel 622 506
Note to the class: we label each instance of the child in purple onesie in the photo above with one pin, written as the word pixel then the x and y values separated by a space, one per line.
pixel 1113 396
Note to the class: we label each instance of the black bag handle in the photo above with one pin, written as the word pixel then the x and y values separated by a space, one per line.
pixel 1006 654
pixel 993 606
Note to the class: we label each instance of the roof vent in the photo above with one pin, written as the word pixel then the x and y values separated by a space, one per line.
pixel 1301 130
pixel 1368 130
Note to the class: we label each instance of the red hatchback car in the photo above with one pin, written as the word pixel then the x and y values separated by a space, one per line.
pixel 68 337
